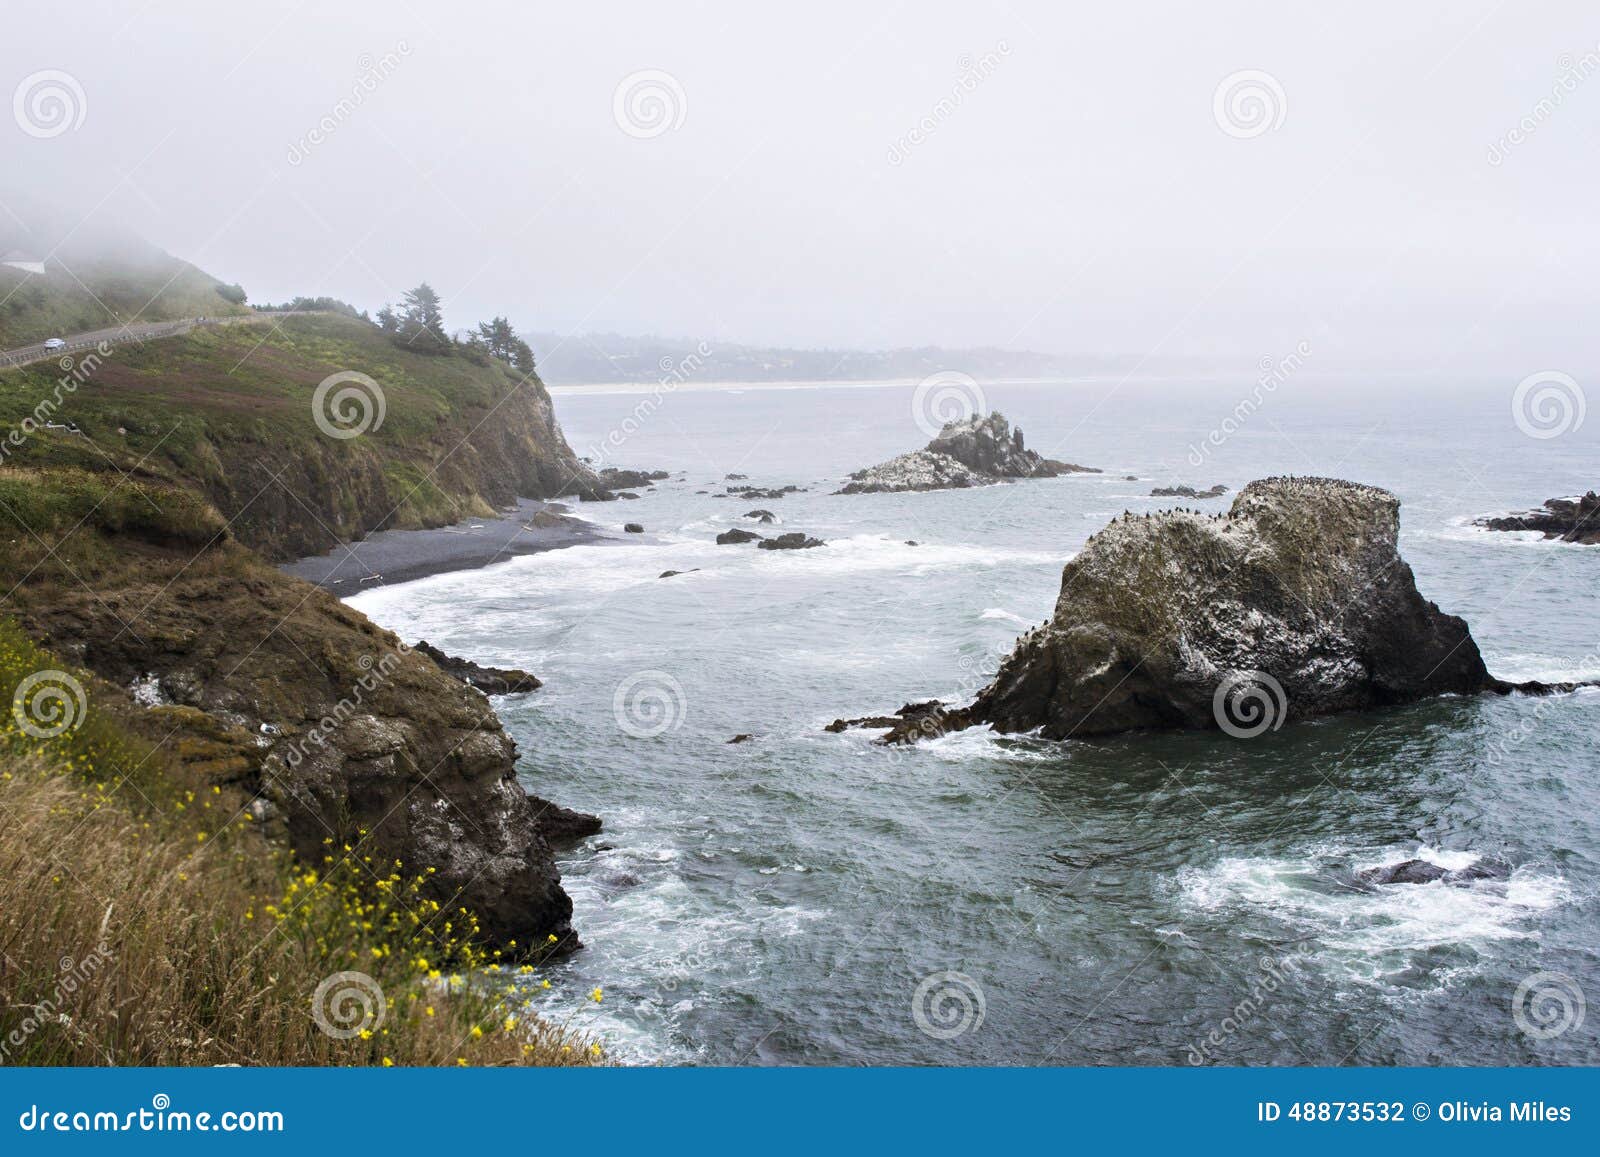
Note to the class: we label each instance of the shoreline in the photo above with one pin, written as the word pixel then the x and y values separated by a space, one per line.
pixel 387 557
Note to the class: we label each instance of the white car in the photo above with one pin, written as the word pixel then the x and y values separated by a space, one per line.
pixel 54 343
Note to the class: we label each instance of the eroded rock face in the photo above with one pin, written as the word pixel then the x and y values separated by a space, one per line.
pixel 1569 519
pixel 1300 581
pixel 1295 603
pixel 979 451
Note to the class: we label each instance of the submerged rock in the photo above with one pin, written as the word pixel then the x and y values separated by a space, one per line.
pixel 792 541
pixel 978 451
pixel 735 536
pixel 1426 872
pixel 1295 603
pixel 489 680
pixel 1569 519
pixel 632 528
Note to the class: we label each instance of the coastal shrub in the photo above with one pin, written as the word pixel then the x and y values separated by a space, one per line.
pixel 144 921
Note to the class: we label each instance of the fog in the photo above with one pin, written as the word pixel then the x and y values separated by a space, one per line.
pixel 1406 186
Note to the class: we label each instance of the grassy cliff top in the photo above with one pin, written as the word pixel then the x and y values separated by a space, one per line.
pixel 233 411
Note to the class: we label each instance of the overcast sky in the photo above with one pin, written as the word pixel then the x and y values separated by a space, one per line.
pixel 819 174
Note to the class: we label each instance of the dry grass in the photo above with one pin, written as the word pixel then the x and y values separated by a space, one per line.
pixel 141 933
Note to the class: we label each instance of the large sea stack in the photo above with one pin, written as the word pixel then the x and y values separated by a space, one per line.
pixel 1294 603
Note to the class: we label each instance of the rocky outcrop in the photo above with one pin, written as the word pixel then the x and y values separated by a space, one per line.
pixel 1216 491
pixel 615 478
pixel 735 536
pixel 792 541
pixel 978 451
pixel 489 680
pixel 1295 603
pixel 1569 519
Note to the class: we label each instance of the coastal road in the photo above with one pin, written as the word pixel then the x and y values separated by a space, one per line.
pixel 139 331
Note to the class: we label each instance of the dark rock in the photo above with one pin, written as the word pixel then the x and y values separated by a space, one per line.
pixel 632 528
pixel 1569 519
pixel 1296 603
pixel 562 825
pixel 911 715
pixel 616 479
pixel 1188 492
pixel 793 541
pixel 550 520
pixel 742 737
pixel 735 477
pixel 674 573
pixel 976 452
pixel 1423 872
pixel 489 680
pixel 1130 478
pixel 912 542
pixel 735 536
pixel 762 515
pixel 758 493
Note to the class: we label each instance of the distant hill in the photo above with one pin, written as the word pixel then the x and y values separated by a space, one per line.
pixel 607 357
pixel 93 279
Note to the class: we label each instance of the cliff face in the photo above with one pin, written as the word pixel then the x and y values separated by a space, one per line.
pixel 137 546
pixel 235 413
pixel 344 737
pixel 1294 603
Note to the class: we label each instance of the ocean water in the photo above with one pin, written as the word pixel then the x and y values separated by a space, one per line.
pixel 806 897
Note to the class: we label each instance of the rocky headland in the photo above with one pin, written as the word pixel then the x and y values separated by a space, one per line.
pixel 979 451
pixel 1295 603
pixel 1569 519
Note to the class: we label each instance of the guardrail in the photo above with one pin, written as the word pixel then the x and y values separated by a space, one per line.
pixel 171 329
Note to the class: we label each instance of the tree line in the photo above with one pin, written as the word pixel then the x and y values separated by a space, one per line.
pixel 418 325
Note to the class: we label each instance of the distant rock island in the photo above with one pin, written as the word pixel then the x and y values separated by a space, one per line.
pixel 1295 603
pixel 977 451
pixel 1569 519
pixel 1216 491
